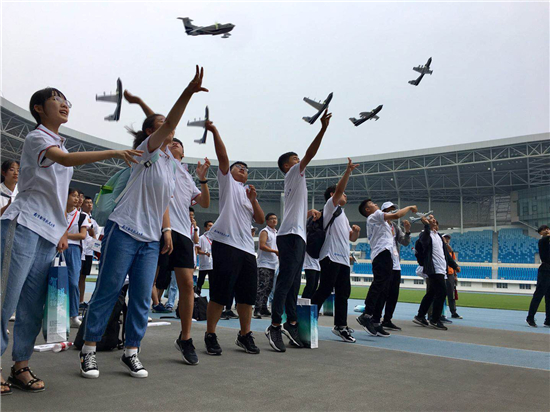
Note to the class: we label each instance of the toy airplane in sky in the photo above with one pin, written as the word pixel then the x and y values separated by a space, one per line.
pixel 113 98
pixel 422 70
pixel 420 216
pixel 213 30
pixel 320 106
pixel 201 123
pixel 366 116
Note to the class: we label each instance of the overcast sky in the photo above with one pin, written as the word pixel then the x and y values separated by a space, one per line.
pixel 490 63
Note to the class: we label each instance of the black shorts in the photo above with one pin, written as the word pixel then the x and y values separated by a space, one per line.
pixel 182 256
pixel 235 274
pixel 86 268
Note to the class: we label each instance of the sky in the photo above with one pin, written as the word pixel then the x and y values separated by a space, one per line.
pixel 490 70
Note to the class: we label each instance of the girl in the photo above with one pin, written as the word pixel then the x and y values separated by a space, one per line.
pixel 8 188
pixel 34 225
pixel 76 234
pixel 131 238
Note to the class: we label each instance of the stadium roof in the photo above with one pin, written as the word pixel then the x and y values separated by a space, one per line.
pixel 470 171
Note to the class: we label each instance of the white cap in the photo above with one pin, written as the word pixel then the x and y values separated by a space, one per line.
pixel 387 205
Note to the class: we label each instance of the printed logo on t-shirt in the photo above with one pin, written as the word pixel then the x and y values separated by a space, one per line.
pixel 43 219
pixel 220 233
pixel 131 230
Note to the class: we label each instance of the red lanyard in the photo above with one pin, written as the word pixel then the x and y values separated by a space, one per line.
pixel 74 217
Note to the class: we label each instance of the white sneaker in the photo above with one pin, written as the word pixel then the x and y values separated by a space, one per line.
pixel 134 366
pixel 88 365
pixel 75 322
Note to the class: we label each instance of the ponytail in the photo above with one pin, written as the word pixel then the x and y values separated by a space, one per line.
pixel 141 135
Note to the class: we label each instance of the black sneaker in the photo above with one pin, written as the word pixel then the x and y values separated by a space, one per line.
pixel 344 333
pixel 531 322
pixel 187 350
pixel 257 314
pixel 231 315
pixel 456 316
pixel 88 365
pixel 443 319
pixel 438 325
pixel 421 321
pixel 291 332
pixel 388 324
pixel 275 338
pixel 134 366
pixel 247 343
pixel 265 311
pixel 366 322
pixel 160 309
pixel 211 343
pixel 381 332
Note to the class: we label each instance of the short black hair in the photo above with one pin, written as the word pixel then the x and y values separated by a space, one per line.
pixel 80 192
pixel 207 222
pixel 269 215
pixel 39 98
pixel 238 162
pixel 6 165
pixel 88 198
pixel 191 209
pixel 72 190
pixel 284 159
pixel 543 227
pixel 362 207
pixel 177 141
pixel 330 189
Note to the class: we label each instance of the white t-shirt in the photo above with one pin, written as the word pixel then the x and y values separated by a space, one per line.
pixel 88 243
pixel 236 213
pixel 311 263
pixel 205 262
pixel 438 255
pixel 184 196
pixel 4 189
pixel 73 228
pixel 294 219
pixel 139 212
pixel 268 260
pixel 379 234
pixel 336 245
pixel 395 251
pixel 43 187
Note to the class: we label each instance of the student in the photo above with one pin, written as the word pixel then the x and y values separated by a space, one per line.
pixel 87 245
pixel 8 188
pixel 76 234
pixel 312 269
pixel 291 243
pixel 543 279
pixel 204 250
pixel 452 279
pixel 131 239
pixel 435 261
pixel 335 256
pixel 382 243
pixel 234 270
pixel 267 264
pixel 34 227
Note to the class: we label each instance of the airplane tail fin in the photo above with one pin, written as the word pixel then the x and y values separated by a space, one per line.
pixel 353 120
pixel 413 82
pixel 307 119
pixel 189 27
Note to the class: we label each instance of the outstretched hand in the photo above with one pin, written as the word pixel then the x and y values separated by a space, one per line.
pixel 195 85
pixel 351 166
pixel 407 225
pixel 130 97
pixel 202 169
pixel 208 125
pixel 325 119
pixel 128 155
pixel 251 193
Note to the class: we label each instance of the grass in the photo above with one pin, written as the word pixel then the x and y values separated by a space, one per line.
pixel 465 299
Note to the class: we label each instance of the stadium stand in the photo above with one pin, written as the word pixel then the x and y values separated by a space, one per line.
pixel 468 272
pixel 513 273
pixel 515 247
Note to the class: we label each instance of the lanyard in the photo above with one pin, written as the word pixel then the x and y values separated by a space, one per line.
pixel 74 217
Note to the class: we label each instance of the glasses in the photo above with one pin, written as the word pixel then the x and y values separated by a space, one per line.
pixel 61 100
pixel 241 167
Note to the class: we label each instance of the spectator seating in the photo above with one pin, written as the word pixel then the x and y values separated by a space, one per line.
pixel 517 273
pixel 516 247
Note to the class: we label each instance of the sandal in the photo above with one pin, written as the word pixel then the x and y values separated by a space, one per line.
pixel 19 384
pixel 7 391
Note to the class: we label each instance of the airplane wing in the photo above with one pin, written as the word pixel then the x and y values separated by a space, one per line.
pixel 418 69
pixel 203 139
pixel 313 103
pixel 113 98
pixel 365 115
pixel 375 117
pixel 197 123
pixel 417 81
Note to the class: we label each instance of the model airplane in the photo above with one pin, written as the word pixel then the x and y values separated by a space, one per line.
pixel 366 116
pixel 422 70
pixel 201 123
pixel 113 98
pixel 213 30
pixel 320 106
pixel 420 216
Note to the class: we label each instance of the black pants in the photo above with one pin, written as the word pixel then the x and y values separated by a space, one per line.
pixel 202 277
pixel 312 281
pixel 86 268
pixel 451 283
pixel 435 294
pixel 382 270
pixel 543 289
pixel 334 276
pixel 392 296
pixel 292 252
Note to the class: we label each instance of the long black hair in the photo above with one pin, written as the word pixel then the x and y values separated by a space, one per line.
pixel 6 165
pixel 39 98
pixel 141 135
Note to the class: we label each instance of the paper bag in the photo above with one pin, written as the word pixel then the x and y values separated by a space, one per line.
pixel 56 324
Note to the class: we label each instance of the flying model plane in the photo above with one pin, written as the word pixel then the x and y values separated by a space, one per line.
pixel 201 123
pixel 113 98
pixel 420 216
pixel 422 70
pixel 366 116
pixel 320 106
pixel 213 30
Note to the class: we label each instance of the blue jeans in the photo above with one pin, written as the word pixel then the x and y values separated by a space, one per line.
pixel 74 263
pixel 121 254
pixel 172 291
pixel 26 289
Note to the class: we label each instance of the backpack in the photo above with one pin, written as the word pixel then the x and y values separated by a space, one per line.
pixel 316 234
pixel 111 192
pixel 112 337
pixel 199 307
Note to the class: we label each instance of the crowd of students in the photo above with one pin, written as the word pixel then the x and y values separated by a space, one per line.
pixel 150 233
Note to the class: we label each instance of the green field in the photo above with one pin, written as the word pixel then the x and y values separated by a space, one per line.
pixel 467 299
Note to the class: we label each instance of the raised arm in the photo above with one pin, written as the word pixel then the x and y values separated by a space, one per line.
pixel 400 213
pixel 174 116
pixel 341 186
pixel 314 146
pixel 258 216
pixel 137 100
pixel 221 152
pixel 202 169
pixel 82 158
